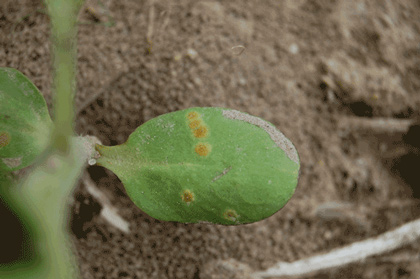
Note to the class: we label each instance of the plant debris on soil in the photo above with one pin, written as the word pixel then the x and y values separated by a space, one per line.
pixel 341 79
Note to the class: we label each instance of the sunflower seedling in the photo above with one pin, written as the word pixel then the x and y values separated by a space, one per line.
pixel 195 165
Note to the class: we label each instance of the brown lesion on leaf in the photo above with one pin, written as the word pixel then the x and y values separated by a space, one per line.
pixel 201 131
pixel 202 149
pixel 231 215
pixel 4 139
pixel 187 196
pixel 194 124
pixel 278 137
pixel 192 115
pixel 197 125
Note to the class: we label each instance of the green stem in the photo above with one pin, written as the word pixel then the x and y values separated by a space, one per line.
pixel 41 202
pixel 63 15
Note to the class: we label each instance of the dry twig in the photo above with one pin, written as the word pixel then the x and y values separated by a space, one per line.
pixel 238 50
pixel 108 212
pixel 378 125
pixel 355 252
pixel 150 26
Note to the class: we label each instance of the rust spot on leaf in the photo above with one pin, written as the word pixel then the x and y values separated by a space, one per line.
pixel 193 115
pixel 230 215
pixel 4 139
pixel 187 196
pixel 202 149
pixel 194 124
pixel 201 131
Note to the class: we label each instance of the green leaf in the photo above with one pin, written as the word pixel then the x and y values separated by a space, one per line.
pixel 206 165
pixel 24 121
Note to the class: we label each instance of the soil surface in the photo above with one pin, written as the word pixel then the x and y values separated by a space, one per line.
pixel 341 79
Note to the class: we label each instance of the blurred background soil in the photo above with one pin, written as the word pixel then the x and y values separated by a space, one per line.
pixel 339 78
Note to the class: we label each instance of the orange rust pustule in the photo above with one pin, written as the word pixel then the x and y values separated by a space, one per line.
pixel 230 215
pixel 193 115
pixel 201 132
pixel 202 149
pixel 4 139
pixel 194 124
pixel 187 196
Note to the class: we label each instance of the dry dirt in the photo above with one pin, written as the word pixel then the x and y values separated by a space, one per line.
pixel 324 72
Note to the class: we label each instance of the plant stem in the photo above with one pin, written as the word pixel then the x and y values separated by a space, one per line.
pixel 41 202
pixel 63 15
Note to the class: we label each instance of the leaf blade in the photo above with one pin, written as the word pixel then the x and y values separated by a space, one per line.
pixel 200 165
